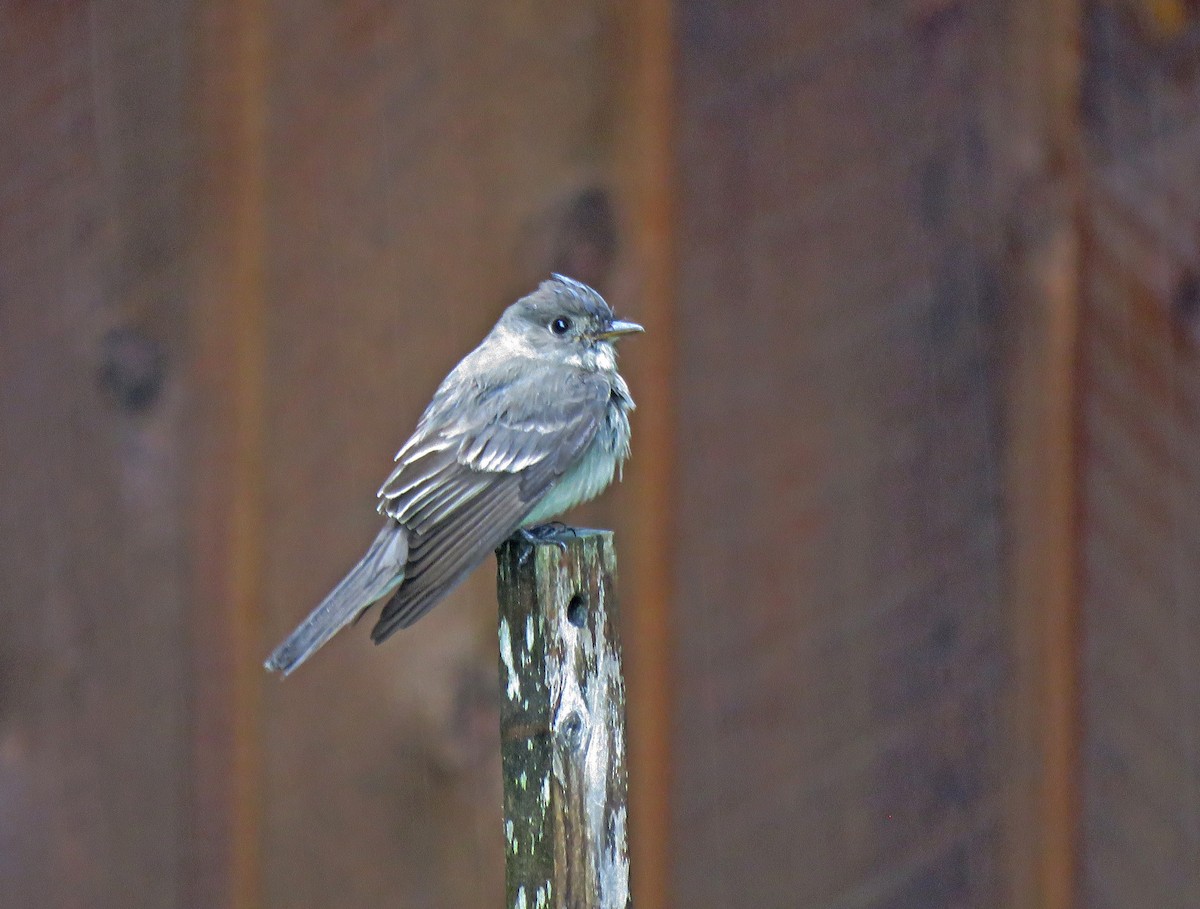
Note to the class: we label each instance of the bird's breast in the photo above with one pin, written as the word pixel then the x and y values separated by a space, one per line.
pixel 593 472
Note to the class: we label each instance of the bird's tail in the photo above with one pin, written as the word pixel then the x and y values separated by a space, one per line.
pixel 378 573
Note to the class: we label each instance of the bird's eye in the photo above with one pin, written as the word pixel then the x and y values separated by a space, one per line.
pixel 560 326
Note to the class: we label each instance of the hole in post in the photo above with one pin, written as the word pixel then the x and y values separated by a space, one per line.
pixel 577 610
pixel 572 731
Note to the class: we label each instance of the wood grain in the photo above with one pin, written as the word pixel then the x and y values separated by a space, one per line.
pixel 1139 469
pixel 1042 151
pixel 227 462
pixel 644 507
pixel 842 633
pixel 94 568
pixel 562 724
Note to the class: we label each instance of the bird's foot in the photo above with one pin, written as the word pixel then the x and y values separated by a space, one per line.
pixel 544 533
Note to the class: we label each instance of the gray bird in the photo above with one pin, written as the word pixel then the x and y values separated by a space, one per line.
pixel 530 423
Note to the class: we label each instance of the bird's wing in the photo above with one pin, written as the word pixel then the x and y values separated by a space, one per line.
pixel 466 484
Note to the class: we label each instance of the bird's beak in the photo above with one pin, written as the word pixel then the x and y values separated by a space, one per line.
pixel 616 328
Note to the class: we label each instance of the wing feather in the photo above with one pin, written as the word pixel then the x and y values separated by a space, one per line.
pixel 438 563
pixel 453 497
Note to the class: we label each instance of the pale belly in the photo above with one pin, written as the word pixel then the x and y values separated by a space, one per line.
pixel 584 481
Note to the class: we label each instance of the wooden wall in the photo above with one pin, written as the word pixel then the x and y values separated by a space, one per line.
pixel 242 243
pixel 422 168
pixel 907 568
pixel 94 397
pixel 1140 470
pixel 844 638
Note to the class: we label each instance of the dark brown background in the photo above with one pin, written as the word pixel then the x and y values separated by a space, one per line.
pixel 908 552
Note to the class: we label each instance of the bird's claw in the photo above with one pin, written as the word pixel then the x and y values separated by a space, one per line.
pixel 543 533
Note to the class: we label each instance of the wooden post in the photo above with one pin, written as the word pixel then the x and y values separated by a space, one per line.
pixel 562 724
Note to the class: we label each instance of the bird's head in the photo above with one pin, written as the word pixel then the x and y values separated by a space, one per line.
pixel 566 318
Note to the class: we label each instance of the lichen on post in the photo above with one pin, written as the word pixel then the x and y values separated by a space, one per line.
pixel 562 724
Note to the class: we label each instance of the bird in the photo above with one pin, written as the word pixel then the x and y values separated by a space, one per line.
pixel 532 422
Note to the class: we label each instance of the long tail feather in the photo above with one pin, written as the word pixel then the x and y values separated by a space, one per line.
pixel 379 573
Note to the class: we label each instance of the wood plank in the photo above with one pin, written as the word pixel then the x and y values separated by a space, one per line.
pixel 94 577
pixel 1041 77
pixel 1141 822
pixel 644 506
pixel 227 365
pixel 841 277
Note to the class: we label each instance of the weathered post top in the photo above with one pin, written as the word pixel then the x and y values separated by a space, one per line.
pixel 562 724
